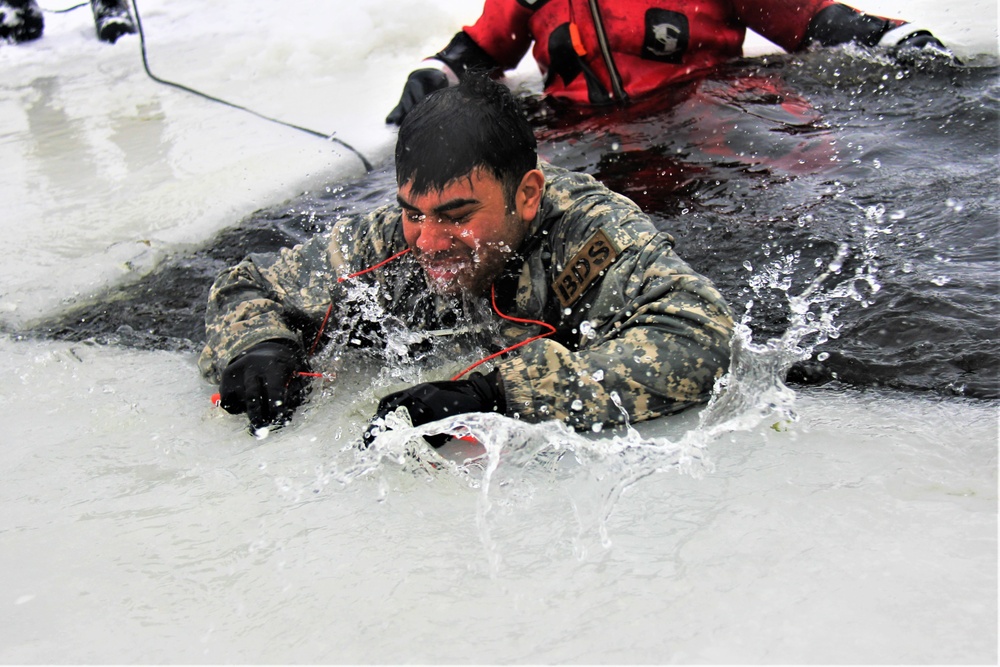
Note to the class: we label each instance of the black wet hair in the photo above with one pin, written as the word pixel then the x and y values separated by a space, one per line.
pixel 476 124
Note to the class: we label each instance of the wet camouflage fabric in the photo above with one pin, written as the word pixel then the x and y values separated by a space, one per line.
pixel 648 337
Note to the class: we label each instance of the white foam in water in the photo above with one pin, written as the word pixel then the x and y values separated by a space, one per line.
pixel 141 524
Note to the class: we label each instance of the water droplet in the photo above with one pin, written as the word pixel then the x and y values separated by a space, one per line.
pixel 823 356
pixel 577 405
pixel 597 427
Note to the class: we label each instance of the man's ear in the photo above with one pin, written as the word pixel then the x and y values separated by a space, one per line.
pixel 529 195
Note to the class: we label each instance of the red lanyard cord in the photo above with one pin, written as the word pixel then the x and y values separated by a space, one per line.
pixel 493 302
pixel 326 317
pixel 376 266
pixel 509 318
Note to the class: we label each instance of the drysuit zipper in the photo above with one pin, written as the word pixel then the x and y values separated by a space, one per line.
pixel 618 89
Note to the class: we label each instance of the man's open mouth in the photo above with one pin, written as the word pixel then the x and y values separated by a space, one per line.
pixel 444 272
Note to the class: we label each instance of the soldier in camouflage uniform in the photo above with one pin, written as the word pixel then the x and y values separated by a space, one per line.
pixel 618 320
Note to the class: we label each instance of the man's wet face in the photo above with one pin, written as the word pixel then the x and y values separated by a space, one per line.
pixel 463 234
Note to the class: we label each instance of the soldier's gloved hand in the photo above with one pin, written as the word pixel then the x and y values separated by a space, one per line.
pixel 419 84
pixel 264 382
pixel 431 401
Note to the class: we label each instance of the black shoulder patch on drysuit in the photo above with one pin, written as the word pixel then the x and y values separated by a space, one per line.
pixel 666 36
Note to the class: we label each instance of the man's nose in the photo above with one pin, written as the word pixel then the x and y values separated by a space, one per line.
pixel 434 238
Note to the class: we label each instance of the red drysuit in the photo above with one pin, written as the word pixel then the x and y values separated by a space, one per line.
pixel 600 51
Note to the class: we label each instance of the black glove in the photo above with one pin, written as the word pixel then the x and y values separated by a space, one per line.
pixel 264 383
pixel 840 24
pixel 419 84
pixel 921 42
pixel 431 401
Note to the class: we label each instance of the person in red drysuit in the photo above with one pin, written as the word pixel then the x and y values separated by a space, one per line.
pixel 599 52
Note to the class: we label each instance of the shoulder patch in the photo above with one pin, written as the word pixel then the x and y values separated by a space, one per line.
pixel 667 36
pixel 597 254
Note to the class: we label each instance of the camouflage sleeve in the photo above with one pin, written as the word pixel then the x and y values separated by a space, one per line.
pixel 284 295
pixel 655 340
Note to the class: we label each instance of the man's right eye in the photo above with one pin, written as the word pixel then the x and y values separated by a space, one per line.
pixel 414 216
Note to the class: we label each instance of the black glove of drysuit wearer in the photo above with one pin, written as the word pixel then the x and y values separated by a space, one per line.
pixel 419 84
pixel 922 42
pixel 431 401
pixel 461 55
pixel 264 383
pixel 841 24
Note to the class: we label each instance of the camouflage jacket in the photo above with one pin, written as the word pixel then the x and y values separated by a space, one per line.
pixel 637 329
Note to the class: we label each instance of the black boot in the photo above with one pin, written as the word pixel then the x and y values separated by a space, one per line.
pixel 20 20
pixel 112 19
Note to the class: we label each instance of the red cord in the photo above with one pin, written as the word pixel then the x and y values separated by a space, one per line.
pixel 217 396
pixel 217 399
pixel 319 334
pixel 510 318
pixel 326 318
pixel 376 266
pixel 493 302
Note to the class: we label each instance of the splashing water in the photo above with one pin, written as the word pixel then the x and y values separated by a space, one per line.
pixel 754 388
pixel 503 459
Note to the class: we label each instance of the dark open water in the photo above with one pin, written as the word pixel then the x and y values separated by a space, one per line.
pixel 763 173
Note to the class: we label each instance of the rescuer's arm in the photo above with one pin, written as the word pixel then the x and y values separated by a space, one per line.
pixel 796 25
